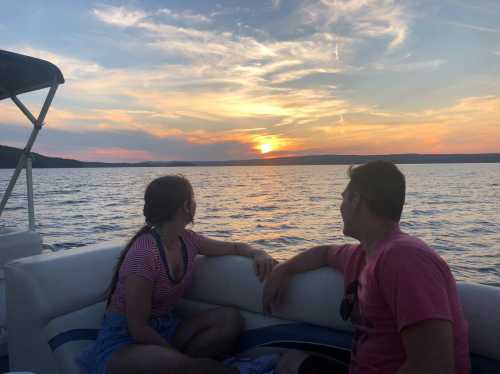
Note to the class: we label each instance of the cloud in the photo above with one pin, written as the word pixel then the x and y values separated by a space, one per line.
pixel 410 66
pixel 468 126
pixel 72 68
pixel 225 92
pixel 297 74
pixel 254 71
pixel 117 154
pixel 119 16
pixel 124 145
pixel 184 16
pixel 226 49
pixel 361 18
pixel 476 28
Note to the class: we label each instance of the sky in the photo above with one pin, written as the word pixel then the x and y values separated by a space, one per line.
pixel 221 80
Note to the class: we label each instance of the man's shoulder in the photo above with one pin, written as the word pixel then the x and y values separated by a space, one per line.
pixel 342 256
pixel 411 250
pixel 346 249
pixel 406 242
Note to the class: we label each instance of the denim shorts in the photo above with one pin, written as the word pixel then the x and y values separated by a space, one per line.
pixel 114 335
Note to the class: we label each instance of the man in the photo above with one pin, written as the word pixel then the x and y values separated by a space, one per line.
pixel 399 294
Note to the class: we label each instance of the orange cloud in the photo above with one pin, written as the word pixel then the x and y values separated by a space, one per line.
pixel 467 127
pixel 116 154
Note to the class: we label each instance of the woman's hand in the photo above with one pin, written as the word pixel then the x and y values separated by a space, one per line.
pixel 263 264
pixel 275 288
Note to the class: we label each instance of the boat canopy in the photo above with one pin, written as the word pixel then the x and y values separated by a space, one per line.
pixel 20 74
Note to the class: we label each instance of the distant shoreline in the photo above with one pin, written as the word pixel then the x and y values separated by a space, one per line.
pixel 10 155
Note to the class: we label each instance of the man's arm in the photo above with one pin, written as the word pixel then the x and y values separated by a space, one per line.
pixel 310 259
pixel 429 348
pixel 277 282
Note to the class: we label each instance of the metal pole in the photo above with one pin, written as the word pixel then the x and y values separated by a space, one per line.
pixel 48 101
pixel 12 183
pixel 29 182
pixel 23 109
pixel 37 123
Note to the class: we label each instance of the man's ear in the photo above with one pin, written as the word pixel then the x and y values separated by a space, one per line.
pixel 186 206
pixel 355 197
pixel 356 200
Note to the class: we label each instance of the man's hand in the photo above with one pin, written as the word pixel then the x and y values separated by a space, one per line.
pixel 277 282
pixel 275 288
pixel 263 264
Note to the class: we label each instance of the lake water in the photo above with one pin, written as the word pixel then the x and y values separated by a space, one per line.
pixel 282 209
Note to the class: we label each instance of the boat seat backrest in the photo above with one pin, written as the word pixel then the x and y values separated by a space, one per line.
pixel 51 294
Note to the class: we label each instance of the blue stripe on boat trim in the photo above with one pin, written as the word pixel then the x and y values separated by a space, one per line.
pixel 296 334
pixel 275 335
pixel 289 335
pixel 72 335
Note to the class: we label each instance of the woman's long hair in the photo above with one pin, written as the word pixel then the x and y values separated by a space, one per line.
pixel 163 197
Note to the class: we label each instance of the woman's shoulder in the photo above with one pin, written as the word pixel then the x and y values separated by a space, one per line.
pixel 190 234
pixel 193 238
pixel 144 243
pixel 142 258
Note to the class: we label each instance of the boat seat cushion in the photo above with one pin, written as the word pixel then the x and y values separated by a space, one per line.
pixel 81 277
pixel 71 333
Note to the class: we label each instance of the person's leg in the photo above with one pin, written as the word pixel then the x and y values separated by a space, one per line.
pixel 154 359
pixel 318 364
pixel 294 361
pixel 291 362
pixel 210 334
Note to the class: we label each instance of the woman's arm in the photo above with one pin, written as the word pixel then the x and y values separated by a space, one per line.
pixel 211 247
pixel 138 296
pixel 263 262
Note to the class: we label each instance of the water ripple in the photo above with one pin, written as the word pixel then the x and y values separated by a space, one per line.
pixel 282 209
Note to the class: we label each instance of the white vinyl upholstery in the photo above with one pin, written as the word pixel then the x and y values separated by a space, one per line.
pixel 482 310
pixel 85 318
pixel 17 244
pixel 14 243
pixel 313 297
pixel 53 293
pixel 43 287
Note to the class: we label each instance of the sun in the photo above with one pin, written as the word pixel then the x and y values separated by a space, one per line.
pixel 269 145
pixel 265 148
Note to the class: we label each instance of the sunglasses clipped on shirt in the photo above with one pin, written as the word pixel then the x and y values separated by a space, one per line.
pixel 349 300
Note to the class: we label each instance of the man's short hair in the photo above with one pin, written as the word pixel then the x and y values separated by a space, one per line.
pixel 382 185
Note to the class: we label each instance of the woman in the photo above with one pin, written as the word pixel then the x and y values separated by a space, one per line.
pixel 140 333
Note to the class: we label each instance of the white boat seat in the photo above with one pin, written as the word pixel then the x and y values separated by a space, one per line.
pixel 62 291
pixel 14 243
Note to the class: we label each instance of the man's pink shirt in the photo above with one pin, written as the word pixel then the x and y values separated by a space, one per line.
pixel 402 282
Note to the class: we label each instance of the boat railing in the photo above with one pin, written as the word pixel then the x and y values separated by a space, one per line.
pixel 20 74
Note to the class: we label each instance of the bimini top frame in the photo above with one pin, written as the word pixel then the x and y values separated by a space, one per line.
pixel 21 74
